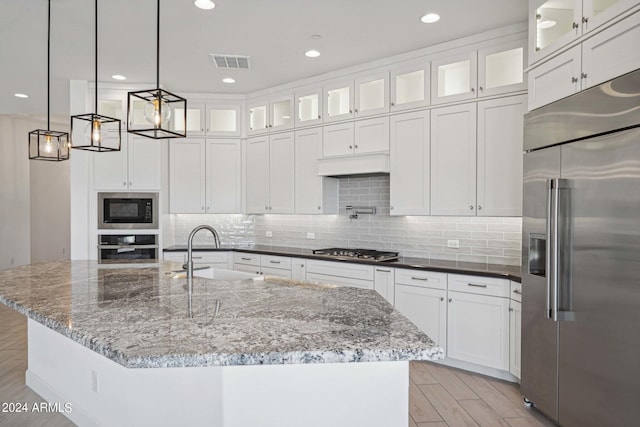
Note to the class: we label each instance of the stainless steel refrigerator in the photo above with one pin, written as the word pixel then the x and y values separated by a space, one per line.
pixel 581 257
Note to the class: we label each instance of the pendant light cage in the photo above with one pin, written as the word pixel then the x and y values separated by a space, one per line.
pixel 51 145
pixel 99 133
pixel 47 144
pixel 157 114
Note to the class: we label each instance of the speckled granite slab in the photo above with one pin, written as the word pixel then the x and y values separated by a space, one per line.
pixel 138 317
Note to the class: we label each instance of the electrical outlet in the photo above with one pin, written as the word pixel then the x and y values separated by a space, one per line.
pixel 311 235
pixel 453 244
pixel 268 233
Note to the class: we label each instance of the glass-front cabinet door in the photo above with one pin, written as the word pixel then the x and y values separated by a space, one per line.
pixel 223 120
pixel 258 117
pixel 372 94
pixel 454 78
pixel 501 69
pixel 281 113
pixel 597 12
pixel 552 24
pixel 195 119
pixel 338 101
pixel 308 107
pixel 410 85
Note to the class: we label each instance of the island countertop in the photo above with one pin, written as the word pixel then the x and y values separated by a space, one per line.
pixel 137 316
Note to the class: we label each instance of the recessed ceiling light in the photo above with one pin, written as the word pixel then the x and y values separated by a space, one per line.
pixel 118 77
pixel 316 37
pixel 543 25
pixel 430 18
pixel 20 95
pixel 312 53
pixel 204 4
pixel 228 80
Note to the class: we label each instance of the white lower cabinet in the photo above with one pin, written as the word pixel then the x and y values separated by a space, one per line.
pixel 426 308
pixel 478 329
pixel 384 283
pixel 515 329
pixel 268 265
pixel 215 259
pixel 340 273
pixel 299 269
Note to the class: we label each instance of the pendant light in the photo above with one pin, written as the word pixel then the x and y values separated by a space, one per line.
pixel 101 133
pixel 157 105
pixel 51 145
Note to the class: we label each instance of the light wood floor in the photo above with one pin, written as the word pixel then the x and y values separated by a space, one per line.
pixel 438 396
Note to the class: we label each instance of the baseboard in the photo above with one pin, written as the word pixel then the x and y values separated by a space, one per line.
pixel 42 388
pixel 491 372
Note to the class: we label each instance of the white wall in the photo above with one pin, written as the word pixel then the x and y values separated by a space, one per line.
pixel 14 192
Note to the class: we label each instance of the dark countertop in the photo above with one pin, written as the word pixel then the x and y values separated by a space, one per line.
pixel 511 272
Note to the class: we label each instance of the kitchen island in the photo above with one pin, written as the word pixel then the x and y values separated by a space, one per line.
pixel 118 344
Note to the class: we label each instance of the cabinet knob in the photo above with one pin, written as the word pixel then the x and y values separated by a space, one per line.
pixel 574 80
pixel 441 298
pixel 319 116
pixel 473 90
pixel 350 147
pixel 130 183
pixel 355 146
pixel 471 207
pixel 393 103
pixel 202 130
pixel 269 207
pixel 450 299
pixel 583 75
pixel 202 208
pixel 124 184
pixel 510 309
pixel 574 25
pixel 479 207
pixel 266 208
pixel 207 208
pixel 356 110
pixel 481 88
pixel 319 207
pixel 585 19
pixel 350 111
pixel 391 207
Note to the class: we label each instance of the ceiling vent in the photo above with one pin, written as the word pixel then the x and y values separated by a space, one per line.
pixel 235 62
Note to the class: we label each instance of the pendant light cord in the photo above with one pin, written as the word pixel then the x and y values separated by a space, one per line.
pixel 158 45
pixel 49 67
pixel 96 50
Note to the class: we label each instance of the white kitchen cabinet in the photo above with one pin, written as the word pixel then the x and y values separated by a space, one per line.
pixel 409 163
pixel 340 273
pixel 478 329
pixel 269 265
pixel 313 194
pixel 270 174
pixel 410 85
pixel 223 176
pixel 136 166
pixel 338 140
pixel 223 120
pixel 258 116
pixel 205 176
pixel 454 78
pixel 195 119
pixel 384 283
pixel 308 105
pixel 515 329
pixel 501 68
pixel 372 94
pixel 453 160
pixel 499 156
pixel 214 259
pixel 555 79
pixel 426 308
pixel 299 269
pixel 281 113
pixel 554 24
pixel 338 101
pixel 371 136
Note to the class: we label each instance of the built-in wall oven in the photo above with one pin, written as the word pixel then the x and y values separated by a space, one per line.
pixel 128 211
pixel 127 247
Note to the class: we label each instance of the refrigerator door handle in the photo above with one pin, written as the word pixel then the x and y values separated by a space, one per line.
pixel 552 248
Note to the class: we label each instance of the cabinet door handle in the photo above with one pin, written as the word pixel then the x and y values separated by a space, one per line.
pixel 479 207
pixel 583 75
pixel 246 259
pixel 510 309
pixel 574 25
pixel 350 111
pixel 383 271
pixel 517 291
pixel 585 19
pixel 476 285
pixel 274 262
pixel 481 88
pixel 419 278
pixel 574 80
pixel 196 257
pixel 473 90
pixel 471 207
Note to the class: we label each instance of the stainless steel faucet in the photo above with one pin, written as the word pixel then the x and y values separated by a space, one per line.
pixel 216 239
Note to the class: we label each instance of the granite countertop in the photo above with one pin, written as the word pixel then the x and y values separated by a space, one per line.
pixel 511 272
pixel 138 317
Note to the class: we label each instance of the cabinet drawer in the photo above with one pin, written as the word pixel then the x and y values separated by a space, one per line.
pixel 271 261
pixel 326 279
pixel 423 279
pixel 516 291
pixel 210 257
pixel 247 259
pixel 278 272
pixel 479 285
pixel 175 256
pixel 341 269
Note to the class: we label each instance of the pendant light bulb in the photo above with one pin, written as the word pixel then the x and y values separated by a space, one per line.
pixel 157 113
pixel 93 132
pixel 48 147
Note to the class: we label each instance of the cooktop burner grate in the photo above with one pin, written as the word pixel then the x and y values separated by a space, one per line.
pixel 347 253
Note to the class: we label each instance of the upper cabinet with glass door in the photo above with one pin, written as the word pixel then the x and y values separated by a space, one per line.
pixel 195 119
pixel 270 114
pixel 555 23
pixel 410 86
pixel 308 105
pixel 372 94
pixel 113 103
pixel 223 120
pixel 258 117
pixel 454 78
pixel 338 101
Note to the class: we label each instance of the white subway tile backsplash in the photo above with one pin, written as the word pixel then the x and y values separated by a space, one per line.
pixel 481 239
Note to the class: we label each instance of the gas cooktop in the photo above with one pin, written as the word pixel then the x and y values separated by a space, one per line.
pixel 346 253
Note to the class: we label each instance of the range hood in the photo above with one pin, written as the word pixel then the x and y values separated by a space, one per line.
pixel 374 163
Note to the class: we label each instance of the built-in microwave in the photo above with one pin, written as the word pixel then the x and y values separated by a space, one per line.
pixel 127 211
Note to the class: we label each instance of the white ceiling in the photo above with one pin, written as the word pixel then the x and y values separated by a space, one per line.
pixel 275 33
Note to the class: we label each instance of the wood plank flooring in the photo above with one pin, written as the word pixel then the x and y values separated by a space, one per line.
pixel 439 396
